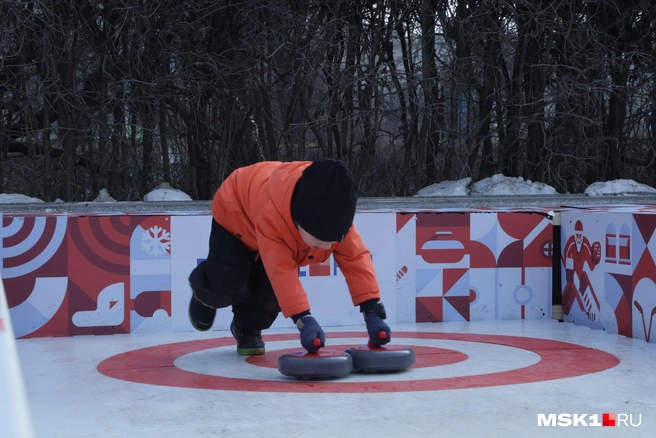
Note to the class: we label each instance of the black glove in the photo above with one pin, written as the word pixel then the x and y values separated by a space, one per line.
pixel 374 314
pixel 311 330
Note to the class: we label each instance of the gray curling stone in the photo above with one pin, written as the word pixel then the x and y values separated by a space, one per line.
pixel 381 359
pixel 324 364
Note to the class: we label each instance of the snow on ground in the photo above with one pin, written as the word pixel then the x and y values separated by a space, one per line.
pixel 15 198
pixel 164 192
pixel 618 187
pixel 447 188
pixel 504 185
pixel 103 196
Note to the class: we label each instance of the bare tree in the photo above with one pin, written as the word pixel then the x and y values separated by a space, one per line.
pixel 124 94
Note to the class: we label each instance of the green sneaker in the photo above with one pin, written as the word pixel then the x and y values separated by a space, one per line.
pixel 249 342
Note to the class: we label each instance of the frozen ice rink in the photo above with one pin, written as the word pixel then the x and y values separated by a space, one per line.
pixel 474 379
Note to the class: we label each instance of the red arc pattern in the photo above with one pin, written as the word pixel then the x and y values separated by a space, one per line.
pixel 155 366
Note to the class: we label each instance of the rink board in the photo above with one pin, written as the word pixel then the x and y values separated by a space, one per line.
pixel 73 274
pixel 612 288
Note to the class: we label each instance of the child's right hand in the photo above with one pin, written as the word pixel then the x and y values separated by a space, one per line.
pixel 311 330
pixel 376 327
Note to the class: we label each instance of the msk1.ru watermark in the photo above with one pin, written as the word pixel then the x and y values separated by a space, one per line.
pixel 567 420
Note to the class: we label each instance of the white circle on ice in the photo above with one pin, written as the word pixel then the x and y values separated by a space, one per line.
pixel 483 358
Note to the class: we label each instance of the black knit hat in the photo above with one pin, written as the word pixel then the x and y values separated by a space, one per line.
pixel 324 200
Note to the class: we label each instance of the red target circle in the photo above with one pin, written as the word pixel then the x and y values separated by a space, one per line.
pixel 559 360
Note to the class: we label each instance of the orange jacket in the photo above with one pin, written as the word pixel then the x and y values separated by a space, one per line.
pixel 254 204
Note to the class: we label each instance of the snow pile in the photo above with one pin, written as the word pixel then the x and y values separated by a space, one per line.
pixel 508 185
pixel 164 192
pixel 15 198
pixel 618 187
pixel 447 188
pixel 493 186
pixel 103 196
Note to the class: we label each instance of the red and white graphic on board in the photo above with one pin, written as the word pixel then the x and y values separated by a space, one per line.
pixel 578 255
pixel 34 268
pixel 72 275
pixel 589 252
pixel 609 276
pixel 99 274
pixel 643 300
pixel 616 304
pixel 150 276
pixel 474 266
pixel 119 272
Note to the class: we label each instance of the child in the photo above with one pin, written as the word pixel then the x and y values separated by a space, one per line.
pixel 268 219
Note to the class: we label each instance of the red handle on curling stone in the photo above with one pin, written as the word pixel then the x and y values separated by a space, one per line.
pixel 317 342
pixel 381 335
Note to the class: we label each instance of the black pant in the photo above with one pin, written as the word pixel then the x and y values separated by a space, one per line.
pixel 230 276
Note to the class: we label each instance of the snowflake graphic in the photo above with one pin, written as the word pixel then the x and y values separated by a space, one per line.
pixel 156 241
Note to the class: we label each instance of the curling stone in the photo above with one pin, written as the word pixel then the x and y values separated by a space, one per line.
pixel 387 358
pixel 324 364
